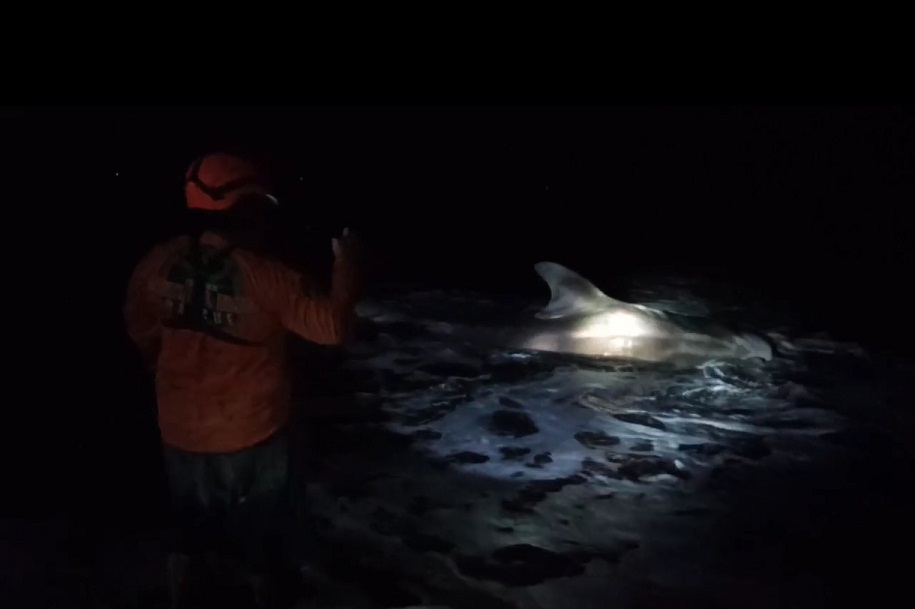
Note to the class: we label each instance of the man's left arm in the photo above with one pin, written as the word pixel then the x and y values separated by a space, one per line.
pixel 141 315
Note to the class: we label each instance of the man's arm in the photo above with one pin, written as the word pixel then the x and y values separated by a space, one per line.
pixel 326 319
pixel 141 315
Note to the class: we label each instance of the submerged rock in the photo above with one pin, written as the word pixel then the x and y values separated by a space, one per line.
pixel 513 453
pixel 595 439
pixel 512 423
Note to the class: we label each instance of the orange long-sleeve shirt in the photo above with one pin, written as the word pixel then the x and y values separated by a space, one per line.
pixel 219 396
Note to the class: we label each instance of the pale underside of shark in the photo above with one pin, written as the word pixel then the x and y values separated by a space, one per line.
pixel 582 320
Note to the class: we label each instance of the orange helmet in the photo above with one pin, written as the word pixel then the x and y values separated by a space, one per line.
pixel 216 181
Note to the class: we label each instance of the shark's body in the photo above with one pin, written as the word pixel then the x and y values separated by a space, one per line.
pixel 582 320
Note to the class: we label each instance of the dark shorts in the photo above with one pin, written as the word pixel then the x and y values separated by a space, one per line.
pixel 243 504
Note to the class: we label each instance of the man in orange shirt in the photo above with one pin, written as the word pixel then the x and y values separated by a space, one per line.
pixel 210 313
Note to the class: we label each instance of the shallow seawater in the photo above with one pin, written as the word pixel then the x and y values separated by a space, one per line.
pixel 444 473
pixel 526 479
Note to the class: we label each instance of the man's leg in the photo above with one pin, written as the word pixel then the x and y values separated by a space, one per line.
pixel 184 471
pixel 176 569
pixel 257 479
pixel 199 500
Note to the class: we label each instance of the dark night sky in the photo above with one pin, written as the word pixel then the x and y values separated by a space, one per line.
pixel 804 203
pixel 807 204
pixel 575 181
pixel 806 198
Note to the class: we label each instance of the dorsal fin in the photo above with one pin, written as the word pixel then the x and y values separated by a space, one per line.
pixel 570 293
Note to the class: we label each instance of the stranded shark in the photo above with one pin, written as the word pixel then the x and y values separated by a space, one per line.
pixel 580 319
